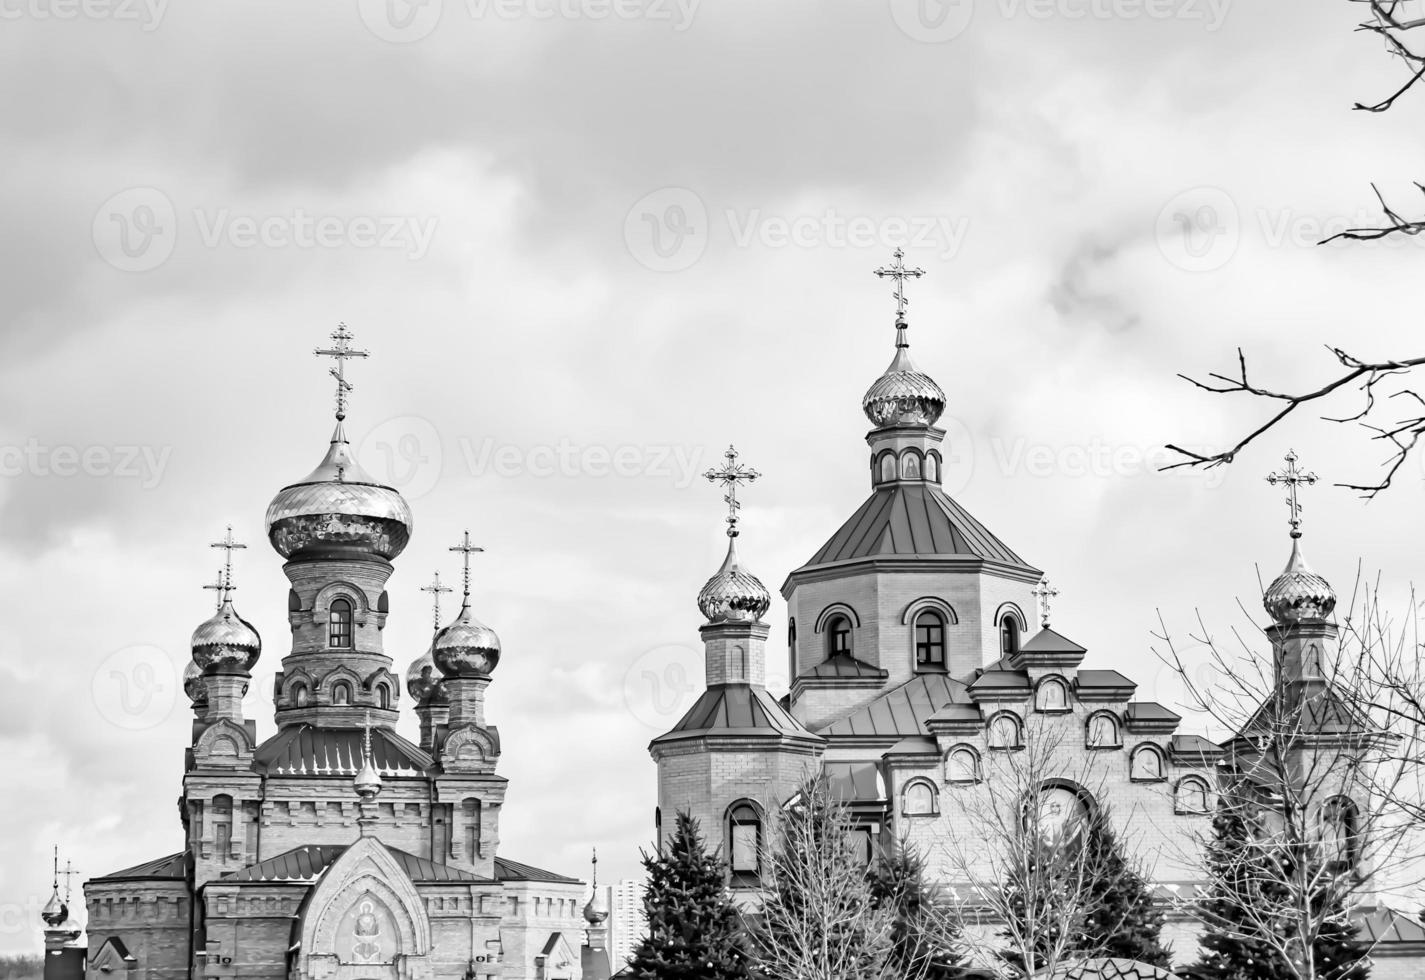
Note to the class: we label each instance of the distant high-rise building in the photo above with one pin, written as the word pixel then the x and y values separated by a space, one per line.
pixel 627 922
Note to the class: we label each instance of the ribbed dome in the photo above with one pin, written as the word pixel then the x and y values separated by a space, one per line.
pixel 226 643
pixel 423 678
pixel 193 685
pixel 734 594
pixel 338 510
pixel 467 647
pixel 1298 594
pixel 903 395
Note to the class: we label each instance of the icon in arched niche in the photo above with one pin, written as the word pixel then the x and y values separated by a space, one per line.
pixel 367 933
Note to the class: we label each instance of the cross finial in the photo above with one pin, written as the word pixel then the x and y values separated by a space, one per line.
pixel 897 271
pixel 67 874
pixel 595 883
pixel 435 589
pixel 221 586
pixel 228 545
pixel 731 474
pixel 340 351
pixel 1044 592
pixel 466 549
pixel 1293 478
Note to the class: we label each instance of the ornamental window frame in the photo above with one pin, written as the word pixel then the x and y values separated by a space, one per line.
pixel 1146 750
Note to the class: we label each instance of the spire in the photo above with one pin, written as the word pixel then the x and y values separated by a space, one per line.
pixel 1298 593
pixel 56 910
pixel 733 593
pixel 341 351
pixel 596 912
pixel 902 395
pixel 1044 592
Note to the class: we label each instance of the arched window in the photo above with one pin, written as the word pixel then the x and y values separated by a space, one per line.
pixel 1101 732
pixel 744 842
pixel 1052 695
pixel 838 636
pixel 930 640
pixel 299 695
pixel 1059 813
pixel 1146 764
pixel 341 693
pixel 1004 731
pixel 919 799
pixel 222 826
pixel 739 663
pixel 383 696
pixel 339 624
pixel 1340 827
pixel 888 468
pixel 658 828
pixel 932 468
pixel 470 823
pixel 1008 635
pixel 1191 796
pixel 910 465
pixel 962 765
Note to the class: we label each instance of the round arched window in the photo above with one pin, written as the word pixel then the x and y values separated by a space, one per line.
pixel 339 624
pixel 1008 636
pixel 838 636
pixel 930 640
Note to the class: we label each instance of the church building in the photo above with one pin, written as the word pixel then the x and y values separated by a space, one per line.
pixel 337 849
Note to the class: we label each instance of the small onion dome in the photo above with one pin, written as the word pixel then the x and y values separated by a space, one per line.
pixel 423 678
pixel 597 911
pixel 226 644
pixel 734 594
pixel 1298 594
pixel 193 685
pixel 55 911
pixel 337 510
pixel 368 781
pixel 467 647
pixel 903 395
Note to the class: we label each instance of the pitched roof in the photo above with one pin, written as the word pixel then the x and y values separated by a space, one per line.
pixel 912 519
pixel 1149 711
pixel 165 868
pixel 915 745
pixel 507 870
pixel 306 863
pixel 736 709
pixel 1382 926
pixel 844 665
pixel 996 679
pixel 1103 678
pixel 1304 711
pixel 902 710
pixel 854 781
pixel 1048 641
pixel 304 750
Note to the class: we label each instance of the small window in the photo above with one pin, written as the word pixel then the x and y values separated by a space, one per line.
pixel 888 468
pixel 658 828
pixel 1052 696
pixel 838 637
pixel 299 695
pixel 1191 796
pixel 918 799
pixel 930 640
pixel 1008 636
pixel 1004 731
pixel 962 765
pixel 383 696
pixel 341 693
pixel 864 845
pixel 1147 764
pixel 1339 831
pixel 339 624
pixel 1102 732
pixel 932 468
pixel 744 841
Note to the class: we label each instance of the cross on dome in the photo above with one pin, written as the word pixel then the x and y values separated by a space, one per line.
pixel 221 586
pixel 1292 478
pixel 341 351
pixel 466 549
pixel 229 545
pixel 731 474
pixel 1044 592
pixel 435 589
pixel 897 271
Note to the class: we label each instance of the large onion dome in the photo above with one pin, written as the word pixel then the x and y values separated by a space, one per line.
pixel 734 594
pixel 226 643
pixel 903 395
pixel 423 678
pixel 193 685
pixel 1298 594
pixel 467 647
pixel 56 912
pixel 597 909
pixel 338 510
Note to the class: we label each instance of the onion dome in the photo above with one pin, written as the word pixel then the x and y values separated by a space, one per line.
pixel 734 595
pixel 193 685
pixel 423 678
pixel 226 643
pixel 338 510
pixel 55 913
pixel 1298 594
pixel 596 912
pixel 903 395
pixel 467 647
pixel 368 780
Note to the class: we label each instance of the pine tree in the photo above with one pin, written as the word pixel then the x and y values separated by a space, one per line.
pixel 1121 919
pixel 924 938
pixel 694 931
pixel 1237 878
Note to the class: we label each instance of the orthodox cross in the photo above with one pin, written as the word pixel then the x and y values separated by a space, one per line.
pixel 340 351
pixel 466 549
pixel 1293 478
pixel 435 589
pixel 731 474
pixel 221 586
pixel 897 271
pixel 67 874
pixel 595 883
pixel 1044 592
pixel 229 546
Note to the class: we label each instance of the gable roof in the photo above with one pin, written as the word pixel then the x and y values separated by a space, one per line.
pixel 901 711
pixel 168 868
pixel 913 519
pixel 305 750
pixel 853 782
pixel 507 870
pixel 844 665
pixel 1097 677
pixel 736 709
pixel 306 863
pixel 1048 641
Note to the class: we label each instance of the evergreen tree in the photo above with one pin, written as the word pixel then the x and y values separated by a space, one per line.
pixel 1238 876
pixel 925 939
pixel 1120 917
pixel 694 931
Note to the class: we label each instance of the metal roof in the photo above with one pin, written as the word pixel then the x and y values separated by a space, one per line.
pixel 304 750
pixel 736 709
pixel 1048 641
pixel 845 665
pixel 901 711
pixel 507 870
pixel 306 863
pixel 912 519
pixel 1382 926
pixel 991 679
pixel 1149 711
pixel 1103 678
pixel 165 868
pixel 854 781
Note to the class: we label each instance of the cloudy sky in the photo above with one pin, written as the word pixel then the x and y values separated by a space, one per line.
pixel 591 243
